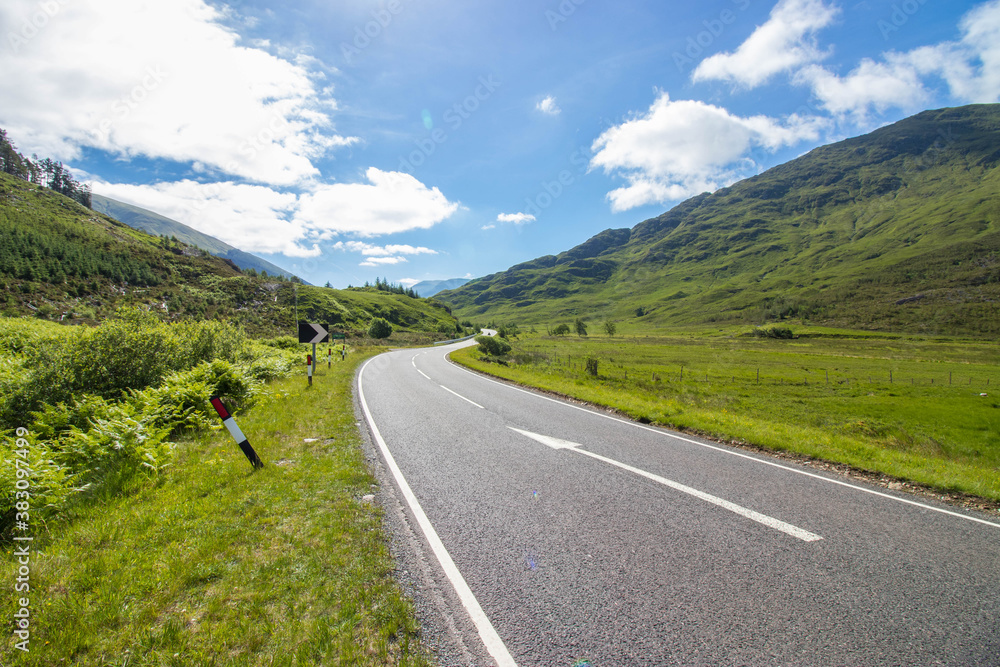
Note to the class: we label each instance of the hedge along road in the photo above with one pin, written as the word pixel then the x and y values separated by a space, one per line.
pixel 560 535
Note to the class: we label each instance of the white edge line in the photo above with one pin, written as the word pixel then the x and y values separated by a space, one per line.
pixel 730 452
pixel 494 645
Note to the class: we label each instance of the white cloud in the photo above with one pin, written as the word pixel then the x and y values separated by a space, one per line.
pixel 163 80
pixel 970 67
pixel 516 218
pixel 376 255
pixel 870 86
pixel 261 219
pixel 548 106
pixel 783 43
pixel 383 261
pixel 391 202
pixel 679 149
pixel 253 218
pixel 370 250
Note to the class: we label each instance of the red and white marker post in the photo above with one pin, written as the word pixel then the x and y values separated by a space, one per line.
pixel 309 369
pixel 234 430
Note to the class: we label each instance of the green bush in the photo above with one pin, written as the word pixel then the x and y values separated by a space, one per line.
pixel 773 332
pixel 131 351
pixel 266 365
pixel 493 346
pixel 379 329
pixel 282 342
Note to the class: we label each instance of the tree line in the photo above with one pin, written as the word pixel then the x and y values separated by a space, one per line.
pixel 45 172
pixel 383 285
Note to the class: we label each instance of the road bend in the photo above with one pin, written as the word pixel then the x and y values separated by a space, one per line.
pixel 565 536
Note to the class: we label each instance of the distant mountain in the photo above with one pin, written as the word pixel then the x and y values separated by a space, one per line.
pixel 158 225
pixel 898 229
pixel 428 288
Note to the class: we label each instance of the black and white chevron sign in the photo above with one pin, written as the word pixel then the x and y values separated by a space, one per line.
pixel 312 333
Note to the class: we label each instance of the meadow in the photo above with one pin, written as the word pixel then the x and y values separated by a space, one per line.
pixel 915 409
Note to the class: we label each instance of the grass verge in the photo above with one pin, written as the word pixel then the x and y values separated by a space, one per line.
pixel 214 564
pixel 915 410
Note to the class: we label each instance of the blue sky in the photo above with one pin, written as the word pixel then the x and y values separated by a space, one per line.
pixel 427 139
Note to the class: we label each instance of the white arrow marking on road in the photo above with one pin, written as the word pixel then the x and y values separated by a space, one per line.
pixel 554 443
pixel 768 521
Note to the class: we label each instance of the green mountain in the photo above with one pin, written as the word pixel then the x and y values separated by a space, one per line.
pixel 898 229
pixel 62 261
pixel 158 225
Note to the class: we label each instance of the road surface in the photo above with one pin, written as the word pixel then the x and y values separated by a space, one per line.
pixel 539 532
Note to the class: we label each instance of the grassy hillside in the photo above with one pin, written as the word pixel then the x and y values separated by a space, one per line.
pixel 63 262
pixel 895 230
pixel 158 225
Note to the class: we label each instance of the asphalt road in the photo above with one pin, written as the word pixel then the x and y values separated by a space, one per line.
pixel 537 532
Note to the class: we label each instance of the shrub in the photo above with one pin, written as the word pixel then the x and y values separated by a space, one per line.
pixel 379 329
pixel 131 351
pixel 493 346
pixel 561 330
pixel 282 342
pixel 267 365
pixel 773 332
pixel 592 366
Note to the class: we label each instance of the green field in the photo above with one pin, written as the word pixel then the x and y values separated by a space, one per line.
pixel 910 408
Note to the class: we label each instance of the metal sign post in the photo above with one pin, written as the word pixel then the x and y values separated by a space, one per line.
pixel 312 333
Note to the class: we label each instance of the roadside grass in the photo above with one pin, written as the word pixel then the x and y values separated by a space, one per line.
pixel 823 396
pixel 214 564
